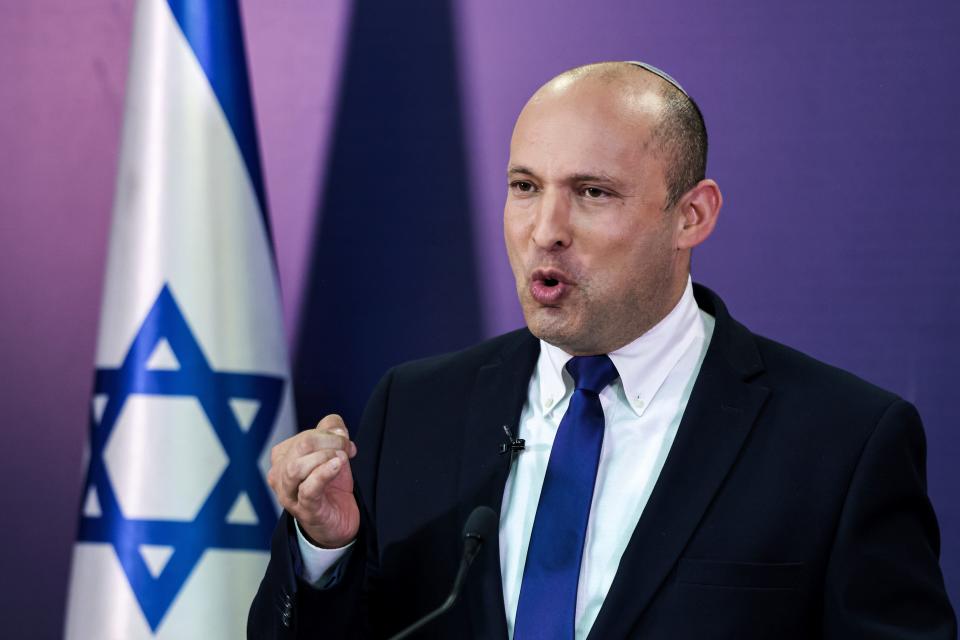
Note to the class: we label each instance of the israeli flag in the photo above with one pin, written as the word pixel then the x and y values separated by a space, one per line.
pixel 192 383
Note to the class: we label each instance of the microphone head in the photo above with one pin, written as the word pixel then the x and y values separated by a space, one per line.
pixel 482 522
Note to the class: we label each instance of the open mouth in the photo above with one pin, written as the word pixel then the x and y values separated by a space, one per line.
pixel 549 286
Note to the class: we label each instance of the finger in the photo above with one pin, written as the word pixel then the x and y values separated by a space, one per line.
pixel 279 450
pixel 311 489
pixel 314 440
pixel 333 423
pixel 279 455
pixel 297 469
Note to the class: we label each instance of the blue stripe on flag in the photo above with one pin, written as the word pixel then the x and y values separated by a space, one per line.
pixel 214 31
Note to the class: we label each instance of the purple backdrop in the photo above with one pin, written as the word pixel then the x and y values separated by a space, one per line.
pixel 832 137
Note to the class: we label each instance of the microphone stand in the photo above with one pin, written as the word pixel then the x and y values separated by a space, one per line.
pixel 479 525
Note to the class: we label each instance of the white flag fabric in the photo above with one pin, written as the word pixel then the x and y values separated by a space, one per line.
pixel 192 383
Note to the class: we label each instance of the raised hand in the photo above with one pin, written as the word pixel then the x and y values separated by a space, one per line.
pixel 310 475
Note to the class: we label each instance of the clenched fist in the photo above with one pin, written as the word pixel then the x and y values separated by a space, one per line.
pixel 310 474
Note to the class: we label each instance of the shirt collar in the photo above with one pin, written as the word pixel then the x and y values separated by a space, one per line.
pixel 643 364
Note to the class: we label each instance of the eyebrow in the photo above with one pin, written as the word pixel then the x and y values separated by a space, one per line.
pixel 576 177
pixel 592 177
pixel 519 169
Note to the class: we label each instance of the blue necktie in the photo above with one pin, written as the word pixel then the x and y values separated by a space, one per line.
pixel 548 593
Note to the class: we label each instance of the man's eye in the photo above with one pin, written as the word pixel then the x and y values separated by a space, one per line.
pixel 522 186
pixel 594 193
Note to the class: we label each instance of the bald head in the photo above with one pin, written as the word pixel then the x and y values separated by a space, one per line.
pixel 678 132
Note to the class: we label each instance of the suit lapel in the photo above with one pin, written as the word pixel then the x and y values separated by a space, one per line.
pixel 498 396
pixel 720 413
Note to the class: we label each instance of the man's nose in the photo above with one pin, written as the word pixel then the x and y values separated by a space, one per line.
pixel 551 230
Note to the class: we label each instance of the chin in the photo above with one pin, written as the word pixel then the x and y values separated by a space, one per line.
pixel 548 325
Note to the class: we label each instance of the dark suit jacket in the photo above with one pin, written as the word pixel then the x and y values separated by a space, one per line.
pixel 792 505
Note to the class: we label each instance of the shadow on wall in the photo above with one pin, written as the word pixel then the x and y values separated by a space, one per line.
pixel 392 274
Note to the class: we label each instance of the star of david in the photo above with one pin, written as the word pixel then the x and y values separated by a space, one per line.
pixel 211 527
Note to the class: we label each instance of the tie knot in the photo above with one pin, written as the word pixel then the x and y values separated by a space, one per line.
pixel 592 373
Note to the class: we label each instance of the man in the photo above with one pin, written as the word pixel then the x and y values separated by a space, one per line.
pixel 681 477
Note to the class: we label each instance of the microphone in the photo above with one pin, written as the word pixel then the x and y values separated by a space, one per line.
pixel 481 523
pixel 513 445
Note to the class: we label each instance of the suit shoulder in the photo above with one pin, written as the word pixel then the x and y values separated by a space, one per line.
pixel 792 371
pixel 800 384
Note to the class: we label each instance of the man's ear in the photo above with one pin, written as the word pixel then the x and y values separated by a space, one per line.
pixel 698 211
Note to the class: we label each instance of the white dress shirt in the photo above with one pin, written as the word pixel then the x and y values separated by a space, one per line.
pixel 642 411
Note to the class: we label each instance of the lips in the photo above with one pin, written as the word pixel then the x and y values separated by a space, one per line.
pixel 549 286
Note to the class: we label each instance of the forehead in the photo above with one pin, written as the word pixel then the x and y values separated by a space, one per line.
pixel 588 130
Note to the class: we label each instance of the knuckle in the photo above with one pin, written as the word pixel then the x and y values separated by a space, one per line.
pixel 291 470
pixel 309 490
pixel 304 445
